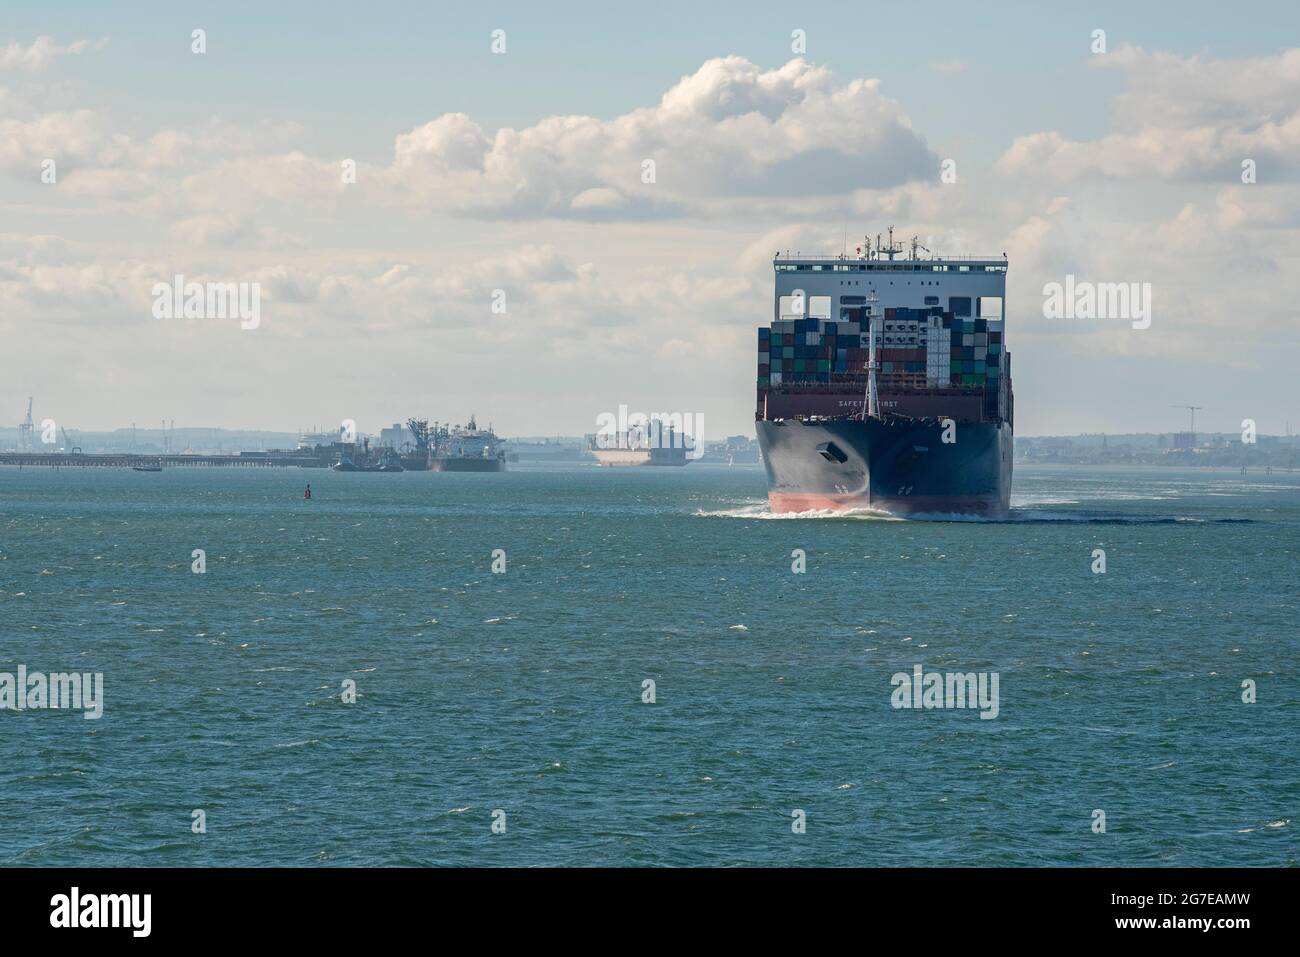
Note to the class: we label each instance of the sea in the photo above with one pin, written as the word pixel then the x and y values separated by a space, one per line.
pixel 561 665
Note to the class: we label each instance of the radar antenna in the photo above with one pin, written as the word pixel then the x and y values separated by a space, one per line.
pixel 891 250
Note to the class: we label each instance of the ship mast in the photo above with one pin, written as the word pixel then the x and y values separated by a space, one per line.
pixel 891 250
pixel 872 400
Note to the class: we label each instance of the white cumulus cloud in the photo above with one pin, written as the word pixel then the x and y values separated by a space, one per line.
pixel 1179 118
pixel 37 55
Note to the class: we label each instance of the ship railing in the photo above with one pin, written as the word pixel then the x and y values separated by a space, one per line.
pixel 795 388
pixel 956 257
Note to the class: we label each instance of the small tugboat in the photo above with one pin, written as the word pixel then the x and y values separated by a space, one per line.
pixel 380 460
pixel 147 467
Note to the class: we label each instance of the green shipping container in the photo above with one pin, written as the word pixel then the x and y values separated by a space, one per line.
pixel 762 382
pixel 823 365
pixel 956 365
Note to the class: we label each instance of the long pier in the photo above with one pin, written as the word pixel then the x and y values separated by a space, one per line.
pixel 126 460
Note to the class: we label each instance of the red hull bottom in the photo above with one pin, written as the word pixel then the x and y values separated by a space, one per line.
pixel 786 502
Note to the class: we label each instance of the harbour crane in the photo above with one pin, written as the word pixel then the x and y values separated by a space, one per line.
pixel 1193 409
pixel 25 429
pixel 420 429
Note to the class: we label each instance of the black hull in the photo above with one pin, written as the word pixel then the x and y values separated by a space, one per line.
pixel 895 464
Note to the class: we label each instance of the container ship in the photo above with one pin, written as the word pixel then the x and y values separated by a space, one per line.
pixel 639 447
pixel 446 448
pixel 884 383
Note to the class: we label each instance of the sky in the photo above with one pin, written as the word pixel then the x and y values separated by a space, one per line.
pixel 500 252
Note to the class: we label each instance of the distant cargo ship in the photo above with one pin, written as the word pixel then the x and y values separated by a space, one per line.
pixel 907 410
pixel 638 448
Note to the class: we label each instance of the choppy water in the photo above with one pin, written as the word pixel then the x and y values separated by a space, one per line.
pixel 522 691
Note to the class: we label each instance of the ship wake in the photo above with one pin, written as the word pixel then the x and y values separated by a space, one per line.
pixel 761 511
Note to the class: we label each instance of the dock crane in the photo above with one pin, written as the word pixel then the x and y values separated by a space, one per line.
pixel 25 429
pixel 67 443
pixel 1193 409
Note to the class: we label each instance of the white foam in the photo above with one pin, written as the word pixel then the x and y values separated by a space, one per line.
pixel 763 511
pixel 1033 499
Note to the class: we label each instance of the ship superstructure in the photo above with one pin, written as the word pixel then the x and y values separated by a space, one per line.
pixel 465 448
pixel 884 382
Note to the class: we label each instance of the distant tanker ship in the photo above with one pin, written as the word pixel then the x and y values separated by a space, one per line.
pixel 906 410
pixel 445 448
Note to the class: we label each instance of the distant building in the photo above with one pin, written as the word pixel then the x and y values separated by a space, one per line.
pixel 395 437
pixel 1184 440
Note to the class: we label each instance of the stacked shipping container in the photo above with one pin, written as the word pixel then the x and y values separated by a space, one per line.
pixel 916 349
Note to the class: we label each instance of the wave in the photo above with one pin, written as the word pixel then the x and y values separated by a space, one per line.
pixel 1030 499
